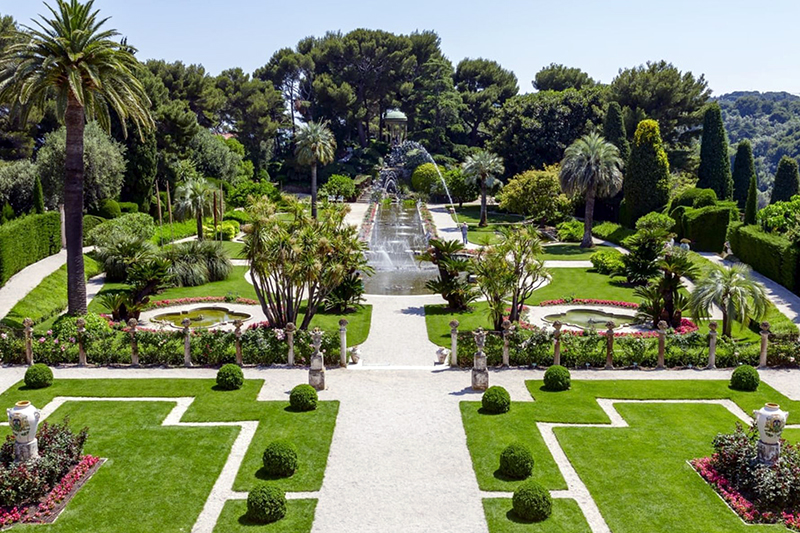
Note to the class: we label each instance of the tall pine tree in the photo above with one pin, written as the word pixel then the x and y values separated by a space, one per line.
pixel 715 164
pixel 646 184
pixel 751 207
pixel 744 171
pixel 787 181
pixel 38 197
pixel 614 130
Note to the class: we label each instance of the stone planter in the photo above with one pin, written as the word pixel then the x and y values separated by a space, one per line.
pixel 770 421
pixel 24 420
pixel 442 354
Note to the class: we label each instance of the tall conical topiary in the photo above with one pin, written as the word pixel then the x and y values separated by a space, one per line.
pixel 646 184
pixel 751 206
pixel 614 130
pixel 787 181
pixel 38 197
pixel 715 164
pixel 744 171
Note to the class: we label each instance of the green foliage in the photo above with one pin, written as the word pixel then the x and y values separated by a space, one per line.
pixel 484 86
pixel 451 284
pixel 781 217
pixel 535 194
pixel 65 326
pixel 38 197
pixel 27 240
pixel 744 171
pixel 128 207
pixel 198 262
pixel 557 378
pixel 771 255
pixel 424 178
pixel 266 504
pixel 347 296
pixel 532 502
pixel 213 158
pixel 230 377
pixel 338 185
pixel 695 197
pixel 555 77
pixel 460 189
pixel 239 216
pixel 279 458
pixel 303 398
pixel 7 213
pixel 38 376
pixel 745 378
pixel 226 230
pixel 707 227
pixel 108 209
pixel 715 164
pixel 611 232
pixel 239 195
pixel 607 261
pixel 496 400
pixel 751 205
pixel 614 130
pixel 787 181
pixel 570 231
pixel 17 184
pixel 647 174
pixel 516 461
pixel 131 225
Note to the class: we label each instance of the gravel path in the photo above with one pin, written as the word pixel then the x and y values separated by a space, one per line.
pixel 446 226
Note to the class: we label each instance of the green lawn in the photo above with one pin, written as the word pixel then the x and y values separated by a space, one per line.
pixel 233 248
pixel 566 518
pixel 637 475
pixel 158 478
pixel 570 251
pixel 471 214
pixel 299 518
pixel 48 299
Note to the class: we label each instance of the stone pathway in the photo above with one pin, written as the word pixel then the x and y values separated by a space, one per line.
pixel 446 226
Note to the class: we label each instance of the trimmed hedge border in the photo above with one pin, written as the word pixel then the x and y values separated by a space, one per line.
pixel 771 255
pixel 26 240
pixel 706 227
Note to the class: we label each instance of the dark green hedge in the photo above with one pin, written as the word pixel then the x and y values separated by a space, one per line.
pixel 27 240
pixel 771 255
pixel 706 227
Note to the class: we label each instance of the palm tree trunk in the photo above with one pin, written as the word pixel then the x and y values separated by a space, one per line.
pixel 73 207
pixel 726 324
pixel 588 219
pixel 314 190
pixel 483 223
pixel 200 225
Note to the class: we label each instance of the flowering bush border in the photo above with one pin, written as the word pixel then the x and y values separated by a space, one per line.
pixel 427 219
pixel 158 304
pixel 365 231
pixel 590 301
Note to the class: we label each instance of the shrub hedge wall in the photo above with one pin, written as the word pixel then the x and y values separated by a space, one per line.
pixel 706 227
pixel 771 255
pixel 27 240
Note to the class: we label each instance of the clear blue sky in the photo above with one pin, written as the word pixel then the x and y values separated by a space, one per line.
pixel 738 45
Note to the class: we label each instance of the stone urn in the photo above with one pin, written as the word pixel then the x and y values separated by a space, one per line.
pixel 770 421
pixel 24 420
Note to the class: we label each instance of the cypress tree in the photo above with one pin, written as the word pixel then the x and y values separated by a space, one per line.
pixel 751 207
pixel 38 197
pixel 744 172
pixel 787 181
pixel 715 164
pixel 614 130
pixel 647 177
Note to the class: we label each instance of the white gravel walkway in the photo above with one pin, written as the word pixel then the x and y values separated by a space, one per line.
pixel 446 226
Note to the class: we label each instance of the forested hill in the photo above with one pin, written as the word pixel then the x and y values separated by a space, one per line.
pixel 771 121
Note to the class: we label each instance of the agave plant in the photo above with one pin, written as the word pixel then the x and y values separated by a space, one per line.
pixel 118 255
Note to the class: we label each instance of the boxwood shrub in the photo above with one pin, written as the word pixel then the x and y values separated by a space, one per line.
pixel 557 378
pixel 532 502
pixel 771 255
pixel 303 398
pixel 280 459
pixel 496 400
pixel 745 378
pixel 266 504
pixel 38 376
pixel 230 377
pixel 26 240
pixel 608 231
pixel 706 227
pixel 516 461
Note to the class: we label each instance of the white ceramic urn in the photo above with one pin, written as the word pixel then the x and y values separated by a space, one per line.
pixel 770 421
pixel 24 419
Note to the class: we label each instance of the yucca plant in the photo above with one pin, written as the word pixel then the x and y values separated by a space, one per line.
pixel 732 290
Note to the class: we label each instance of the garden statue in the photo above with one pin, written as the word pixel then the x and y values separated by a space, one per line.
pixel 770 421
pixel 480 375
pixel 24 419
pixel 316 374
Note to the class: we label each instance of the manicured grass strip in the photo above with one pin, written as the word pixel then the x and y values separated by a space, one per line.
pixel 438 317
pixel 299 518
pixel 570 251
pixel 488 435
pixel 566 518
pixel 233 248
pixel 175 231
pixel 48 298
pixel 471 214
pixel 582 283
pixel 357 328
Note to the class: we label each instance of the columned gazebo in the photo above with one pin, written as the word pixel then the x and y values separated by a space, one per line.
pixel 396 127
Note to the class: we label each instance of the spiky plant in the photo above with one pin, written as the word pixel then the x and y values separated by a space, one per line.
pixel 732 290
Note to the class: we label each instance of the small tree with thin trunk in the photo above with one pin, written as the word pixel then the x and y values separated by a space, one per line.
pixel 481 168
pixel 591 166
pixel 315 145
pixel 194 199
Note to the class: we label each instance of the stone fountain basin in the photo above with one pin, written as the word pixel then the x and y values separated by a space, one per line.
pixel 171 317
pixel 570 315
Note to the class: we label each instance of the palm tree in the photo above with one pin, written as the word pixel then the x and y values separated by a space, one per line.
pixel 194 198
pixel 675 265
pixel 69 59
pixel 732 290
pixel 315 146
pixel 591 166
pixel 481 168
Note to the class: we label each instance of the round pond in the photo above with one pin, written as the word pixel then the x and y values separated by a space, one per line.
pixel 201 317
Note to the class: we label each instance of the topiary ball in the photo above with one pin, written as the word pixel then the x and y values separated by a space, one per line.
pixel 532 502
pixel 38 376
pixel 516 461
pixel 280 459
pixel 266 504
pixel 230 377
pixel 303 398
pixel 745 378
pixel 557 378
pixel 496 400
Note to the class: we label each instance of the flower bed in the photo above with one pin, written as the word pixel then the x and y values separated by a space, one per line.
pixel 590 301
pixel 368 222
pixel 158 304
pixel 427 220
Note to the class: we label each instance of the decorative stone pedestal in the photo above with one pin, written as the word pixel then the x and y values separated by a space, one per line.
pixel 316 374
pixel 24 419
pixel 480 375
pixel 768 453
pixel 25 451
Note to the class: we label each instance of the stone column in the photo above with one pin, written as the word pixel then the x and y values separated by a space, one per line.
pixel 316 374
pixel 343 343
pixel 454 343
pixel 762 362
pixel 610 345
pixel 662 343
pixel 712 345
pixel 480 375
pixel 557 343
pixel 290 329
pixel 237 333
pixel 508 327
pixel 132 323
pixel 80 323
pixel 28 323
pixel 187 342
